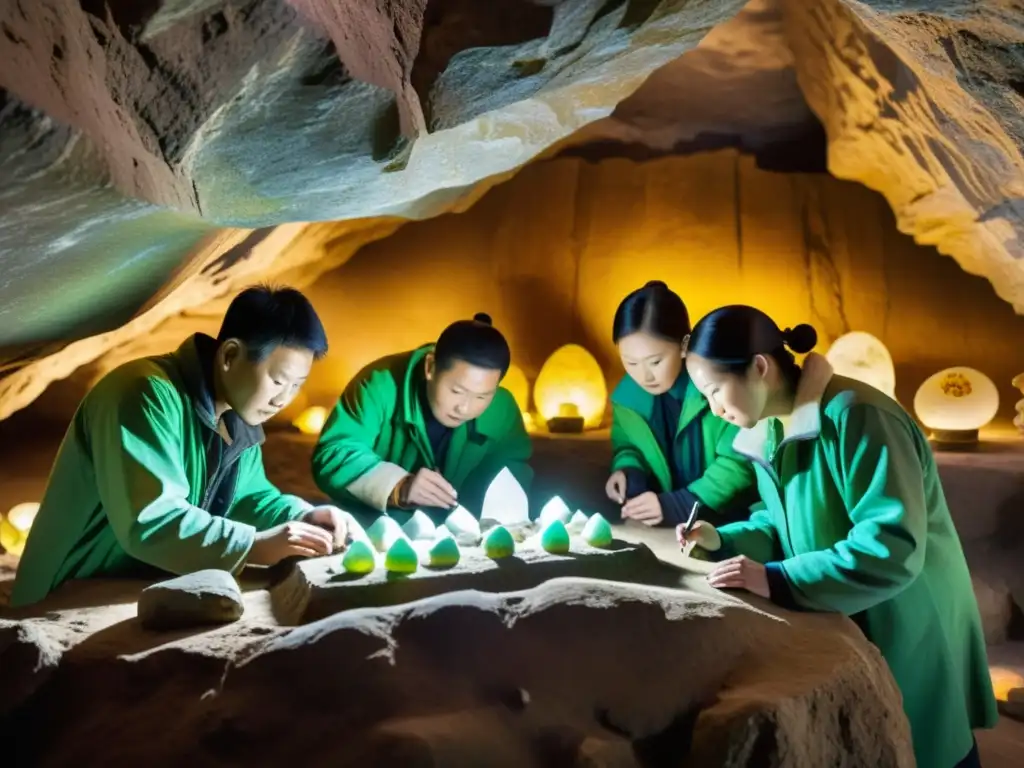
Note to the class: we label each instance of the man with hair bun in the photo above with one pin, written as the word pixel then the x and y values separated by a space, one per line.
pixel 426 429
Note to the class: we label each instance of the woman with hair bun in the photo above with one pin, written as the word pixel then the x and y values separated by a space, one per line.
pixel 669 450
pixel 854 520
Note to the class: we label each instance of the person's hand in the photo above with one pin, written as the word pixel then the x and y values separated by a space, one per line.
pixel 331 519
pixel 741 573
pixel 291 539
pixel 615 488
pixel 703 535
pixel 427 488
pixel 644 508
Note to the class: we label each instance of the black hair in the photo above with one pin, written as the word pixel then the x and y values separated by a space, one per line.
pixel 730 338
pixel 653 309
pixel 476 342
pixel 264 318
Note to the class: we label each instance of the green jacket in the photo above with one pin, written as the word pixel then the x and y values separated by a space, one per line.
pixel 376 435
pixel 131 493
pixel 857 522
pixel 726 475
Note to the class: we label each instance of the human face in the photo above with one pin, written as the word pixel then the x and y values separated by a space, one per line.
pixel 461 393
pixel 738 398
pixel 652 363
pixel 257 391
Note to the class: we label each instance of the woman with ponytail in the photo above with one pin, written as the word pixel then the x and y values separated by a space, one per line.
pixel 426 429
pixel 854 520
pixel 669 451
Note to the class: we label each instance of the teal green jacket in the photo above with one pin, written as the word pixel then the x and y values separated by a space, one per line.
pixel 129 493
pixel 726 475
pixel 856 521
pixel 376 435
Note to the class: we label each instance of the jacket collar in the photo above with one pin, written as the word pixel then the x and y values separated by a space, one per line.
pixel 194 359
pixel 804 423
pixel 629 394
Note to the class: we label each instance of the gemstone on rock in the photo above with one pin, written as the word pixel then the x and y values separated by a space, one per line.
pixel 555 538
pixel 359 558
pixel 445 553
pixel 598 531
pixel 401 557
pixel 575 525
pixel 384 532
pixel 419 527
pixel 499 543
pixel 555 509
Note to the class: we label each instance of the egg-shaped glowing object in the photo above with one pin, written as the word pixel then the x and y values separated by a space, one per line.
pixel 15 525
pixel 861 356
pixel 515 382
pixel 311 421
pixel 571 379
pixel 955 403
pixel 1003 681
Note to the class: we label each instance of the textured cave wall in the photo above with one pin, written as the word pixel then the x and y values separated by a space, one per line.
pixel 550 253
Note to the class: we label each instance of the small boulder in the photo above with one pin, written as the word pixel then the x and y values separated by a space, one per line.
pixel 194 600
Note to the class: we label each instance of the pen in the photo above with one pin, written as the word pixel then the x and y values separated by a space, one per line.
pixel 691 520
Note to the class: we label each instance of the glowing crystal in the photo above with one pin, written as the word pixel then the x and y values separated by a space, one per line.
pixel 401 557
pixel 445 553
pixel 555 538
pixel 598 531
pixel 577 523
pixel 359 558
pixel 505 501
pixel 419 527
pixel 556 509
pixel 384 532
pixel 499 543
pixel 464 527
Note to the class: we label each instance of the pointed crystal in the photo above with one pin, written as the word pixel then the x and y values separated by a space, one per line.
pixel 464 527
pixel 555 509
pixel 401 557
pixel 384 532
pixel 445 553
pixel 555 538
pixel 576 523
pixel 419 527
pixel 505 501
pixel 499 543
pixel 598 531
pixel 358 558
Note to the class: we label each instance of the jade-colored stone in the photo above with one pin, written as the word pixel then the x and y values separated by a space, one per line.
pixel 445 553
pixel 359 558
pixel 598 531
pixel 499 543
pixel 555 538
pixel 401 557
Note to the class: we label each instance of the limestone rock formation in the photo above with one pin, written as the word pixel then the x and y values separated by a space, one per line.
pixel 193 600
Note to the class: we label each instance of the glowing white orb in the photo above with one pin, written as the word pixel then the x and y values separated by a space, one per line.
pixel 861 356
pixel 957 400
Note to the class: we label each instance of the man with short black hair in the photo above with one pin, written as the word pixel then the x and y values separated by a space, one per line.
pixel 426 429
pixel 161 470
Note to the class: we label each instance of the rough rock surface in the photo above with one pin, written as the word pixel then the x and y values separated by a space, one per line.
pixel 128 148
pixel 547 676
pixel 194 600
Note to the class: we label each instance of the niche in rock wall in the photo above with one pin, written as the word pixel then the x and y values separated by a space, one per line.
pixel 550 254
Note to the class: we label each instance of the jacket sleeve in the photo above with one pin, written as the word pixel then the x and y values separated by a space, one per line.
pixel 257 501
pixel 345 466
pixel 135 438
pixel 625 455
pixel 877 466
pixel 727 476
pixel 757 538
pixel 513 450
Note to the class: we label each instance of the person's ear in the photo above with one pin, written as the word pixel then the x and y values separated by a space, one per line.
pixel 761 366
pixel 229 353
pixel 428 366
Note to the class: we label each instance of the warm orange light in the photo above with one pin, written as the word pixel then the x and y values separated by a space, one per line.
pixel 528 422
pixel 1003 681
pixel 568 411
pixel 14 527
pixel 516 383
pixel 311 421
pixel 571 377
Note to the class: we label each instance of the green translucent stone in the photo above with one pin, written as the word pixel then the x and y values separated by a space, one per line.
pixel 598 531
pixel 499 543
pixel 555 538
pixel 358 558
pixel 445 553
pixel 401 557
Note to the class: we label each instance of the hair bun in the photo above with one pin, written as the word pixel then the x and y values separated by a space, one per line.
pixel 483 317
pixel 655 284
pixel 800 339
